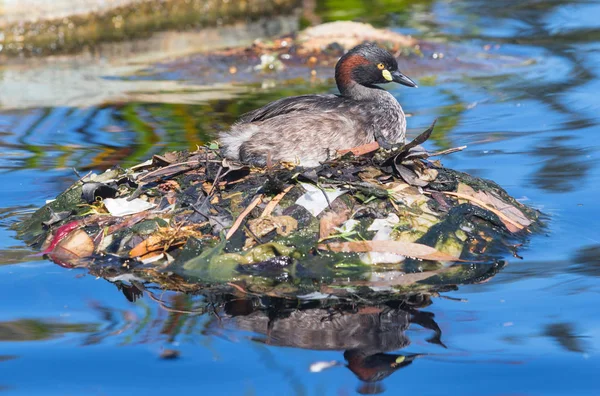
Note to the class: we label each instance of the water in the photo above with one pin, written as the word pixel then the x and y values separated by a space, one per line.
pixel 532 126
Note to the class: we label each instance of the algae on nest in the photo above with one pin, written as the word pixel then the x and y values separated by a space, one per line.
pixel 385 220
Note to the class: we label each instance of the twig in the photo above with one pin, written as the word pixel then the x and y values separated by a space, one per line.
pixel 452 298
pixel 448 151
pixel 215 182
pixel 79 175
pixel 206 168
pixel 138 191
pixel 325 195
pixel 229 183
pixel 253 235
pixel 208 195
pixel 161 172
pixel 395 205
pixel 242 216
pixel 275 201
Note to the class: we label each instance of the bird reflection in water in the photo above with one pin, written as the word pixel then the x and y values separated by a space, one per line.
pixel 367 333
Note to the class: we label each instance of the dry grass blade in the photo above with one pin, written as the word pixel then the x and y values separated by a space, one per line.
pixel 409 249
pixel 242 216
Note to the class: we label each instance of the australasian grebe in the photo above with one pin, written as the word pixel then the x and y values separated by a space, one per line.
pixel 310 128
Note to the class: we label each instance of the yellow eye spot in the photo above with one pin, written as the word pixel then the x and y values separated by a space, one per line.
pixel 387 75
pixel 380 66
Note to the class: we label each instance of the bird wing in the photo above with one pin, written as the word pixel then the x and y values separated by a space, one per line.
pixel 292 104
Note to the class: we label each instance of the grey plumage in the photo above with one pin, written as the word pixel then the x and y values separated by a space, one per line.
pixel 310 128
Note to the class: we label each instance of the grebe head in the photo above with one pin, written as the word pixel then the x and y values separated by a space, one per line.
pixel 367 65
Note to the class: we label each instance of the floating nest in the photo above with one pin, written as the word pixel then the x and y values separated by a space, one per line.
pixel 368 222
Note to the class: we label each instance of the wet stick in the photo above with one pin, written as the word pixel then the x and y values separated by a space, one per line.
pixel 242 216
pixel 446 152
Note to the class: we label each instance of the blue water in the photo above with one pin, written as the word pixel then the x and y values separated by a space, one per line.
pixel 530 117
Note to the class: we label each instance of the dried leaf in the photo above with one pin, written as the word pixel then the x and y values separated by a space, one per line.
pixel 370 174
pixel 512 217
pixel 409 176
pixel 424 173
pixel 509 210
pixel 169 185
pixel 164 239
pixel 414 250
pixel 151 244
pixel 207 187
pixel 422 138
pixel 396 159
pixel 61 233
pixel 73 247
pixel 330 221
pixel 284 225
pixel 405 193
pixel 416 152
pixel 167 159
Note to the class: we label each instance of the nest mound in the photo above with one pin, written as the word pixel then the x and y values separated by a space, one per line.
pixel 367 221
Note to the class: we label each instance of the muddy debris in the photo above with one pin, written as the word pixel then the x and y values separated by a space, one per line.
pixel 387 220
pixel 315 49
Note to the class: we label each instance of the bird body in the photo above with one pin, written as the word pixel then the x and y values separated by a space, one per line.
pixel 310 128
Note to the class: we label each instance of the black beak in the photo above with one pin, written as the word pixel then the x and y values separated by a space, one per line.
pixel 402 79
